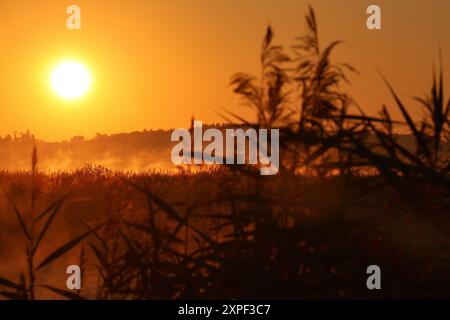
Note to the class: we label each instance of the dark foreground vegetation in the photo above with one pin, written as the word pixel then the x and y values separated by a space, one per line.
pixel 348 195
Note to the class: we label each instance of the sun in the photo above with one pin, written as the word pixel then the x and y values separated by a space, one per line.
pixel 70 80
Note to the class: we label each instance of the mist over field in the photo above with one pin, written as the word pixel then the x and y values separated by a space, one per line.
pixel 128 152
pixel 136 151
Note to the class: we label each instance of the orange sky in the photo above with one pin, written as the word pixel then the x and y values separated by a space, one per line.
pixel 155 63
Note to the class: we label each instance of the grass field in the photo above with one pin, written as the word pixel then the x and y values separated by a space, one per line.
pixel 221 234
pixel 348 195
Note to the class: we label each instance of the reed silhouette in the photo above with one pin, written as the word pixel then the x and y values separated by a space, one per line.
pixel 350 193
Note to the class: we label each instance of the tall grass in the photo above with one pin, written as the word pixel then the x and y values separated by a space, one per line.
pixel 350 194
pixel 34 226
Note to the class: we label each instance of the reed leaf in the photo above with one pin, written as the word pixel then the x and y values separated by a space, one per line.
pixel 55 211
pixel 52 206
pixel 67 294
pixel 8 283
pixel 65 248
pixel 18 215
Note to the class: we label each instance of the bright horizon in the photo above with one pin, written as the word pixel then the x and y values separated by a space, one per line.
pixel 156 64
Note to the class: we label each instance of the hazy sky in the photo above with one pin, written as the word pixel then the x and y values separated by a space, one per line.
pixel 155 63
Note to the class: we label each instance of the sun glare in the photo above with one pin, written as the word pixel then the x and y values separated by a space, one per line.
pixel 70 80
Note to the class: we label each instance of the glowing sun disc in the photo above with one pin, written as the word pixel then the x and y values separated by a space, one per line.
pixel 70 80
